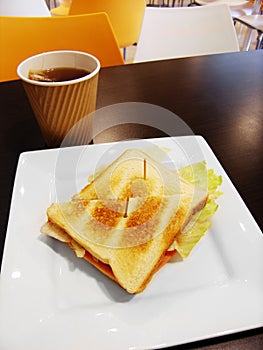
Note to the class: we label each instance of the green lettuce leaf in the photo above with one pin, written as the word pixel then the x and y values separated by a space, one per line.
pixel 204 178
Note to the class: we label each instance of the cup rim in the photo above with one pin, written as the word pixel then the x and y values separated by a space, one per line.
pixel 59 83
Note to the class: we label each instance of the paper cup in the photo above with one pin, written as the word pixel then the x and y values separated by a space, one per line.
pixel 58 106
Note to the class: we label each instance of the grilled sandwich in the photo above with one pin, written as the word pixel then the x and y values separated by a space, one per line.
pixel 131 219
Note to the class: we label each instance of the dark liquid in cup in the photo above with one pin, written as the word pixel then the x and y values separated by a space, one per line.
pixel 57 74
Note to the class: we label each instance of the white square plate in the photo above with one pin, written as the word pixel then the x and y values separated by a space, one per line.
pixel 49 299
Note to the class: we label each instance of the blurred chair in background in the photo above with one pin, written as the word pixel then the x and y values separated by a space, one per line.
pixel 52 3
pixel 185 31
pixel 62 9
pixel 125 16
pixel 238 8
pixel 27 36
pixel 254 22
pixel 164 2
pixel 251 21
pixel 26 8
pixel 215 2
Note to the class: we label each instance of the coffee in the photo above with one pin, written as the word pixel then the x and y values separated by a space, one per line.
pixel 57 74
pixel 60 106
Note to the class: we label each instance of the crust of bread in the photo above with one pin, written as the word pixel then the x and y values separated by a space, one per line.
pixel 133 263
pixel 59 234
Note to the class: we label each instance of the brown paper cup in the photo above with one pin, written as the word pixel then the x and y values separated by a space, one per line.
pixel 58 106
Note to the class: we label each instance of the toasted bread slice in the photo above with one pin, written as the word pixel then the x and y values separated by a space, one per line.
pixel 132 246
pixel 134 174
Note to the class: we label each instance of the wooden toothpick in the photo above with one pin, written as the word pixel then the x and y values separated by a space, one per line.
pixel 144 169
pixel 125 215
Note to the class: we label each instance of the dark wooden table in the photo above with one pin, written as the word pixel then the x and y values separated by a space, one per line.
pixel 220 97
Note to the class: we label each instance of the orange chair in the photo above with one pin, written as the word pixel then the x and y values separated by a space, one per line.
pixel 125 15
pixel 26 36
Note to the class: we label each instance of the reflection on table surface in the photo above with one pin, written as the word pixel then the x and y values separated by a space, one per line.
pixel 218 97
